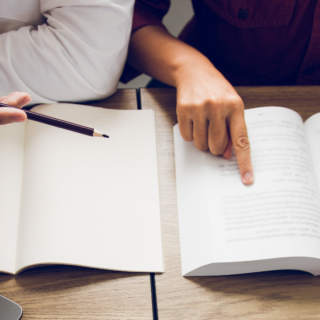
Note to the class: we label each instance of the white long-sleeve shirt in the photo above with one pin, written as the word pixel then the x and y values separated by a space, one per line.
pixel 63 50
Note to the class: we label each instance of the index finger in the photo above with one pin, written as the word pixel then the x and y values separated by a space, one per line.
pixel 241 144
pixel 16 99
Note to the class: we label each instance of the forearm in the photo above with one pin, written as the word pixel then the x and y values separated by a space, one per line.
pixel 155 52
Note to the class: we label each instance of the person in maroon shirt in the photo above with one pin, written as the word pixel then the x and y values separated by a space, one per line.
pixel 227 43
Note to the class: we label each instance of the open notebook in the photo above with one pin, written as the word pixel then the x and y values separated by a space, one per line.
pixel 229 228
pixel 67 198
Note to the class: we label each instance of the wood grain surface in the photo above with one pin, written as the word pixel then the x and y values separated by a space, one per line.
pixel 67 292
pixel 267 295
pixel 122 99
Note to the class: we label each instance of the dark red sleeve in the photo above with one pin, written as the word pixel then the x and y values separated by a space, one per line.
pixel 146 12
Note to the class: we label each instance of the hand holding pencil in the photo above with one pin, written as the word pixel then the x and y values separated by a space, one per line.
pixel 10 113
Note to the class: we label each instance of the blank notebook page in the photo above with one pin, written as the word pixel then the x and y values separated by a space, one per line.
pixel 11 164
pixel 91 201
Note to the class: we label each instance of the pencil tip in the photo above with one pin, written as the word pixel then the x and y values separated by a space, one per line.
pixel 104 135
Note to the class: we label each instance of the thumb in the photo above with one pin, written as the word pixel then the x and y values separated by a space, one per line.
pixel 8 115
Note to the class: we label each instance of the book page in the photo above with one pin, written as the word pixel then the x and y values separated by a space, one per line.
pixel 91 201
pixel 277 216
pixel 11 165
pixel 312 127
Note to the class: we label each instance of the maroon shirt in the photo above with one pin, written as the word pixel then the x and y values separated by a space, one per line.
pixel 252 42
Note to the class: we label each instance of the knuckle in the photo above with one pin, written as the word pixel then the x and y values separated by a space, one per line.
pixel 241 143
pixel 184 108
pixel 186 137
pixel 212 103
pixel 217 148
pixel 185 132
pixel 202 146
pixel 205 105
pixel 244 166
pixel 216 152
pixel 182 105
pixel 235 102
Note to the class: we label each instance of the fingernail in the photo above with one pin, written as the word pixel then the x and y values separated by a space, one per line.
pixel 247 178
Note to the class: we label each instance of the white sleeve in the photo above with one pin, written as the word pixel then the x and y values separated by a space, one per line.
pixel 77 55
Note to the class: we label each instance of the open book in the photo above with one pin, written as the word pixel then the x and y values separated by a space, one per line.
pixel 229 228
pixel 66 198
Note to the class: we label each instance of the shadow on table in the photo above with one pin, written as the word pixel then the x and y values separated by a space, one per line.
pixel 61 277
pixel 286 285
pixel 68 292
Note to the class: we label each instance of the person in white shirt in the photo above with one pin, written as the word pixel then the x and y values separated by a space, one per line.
pixel 62 50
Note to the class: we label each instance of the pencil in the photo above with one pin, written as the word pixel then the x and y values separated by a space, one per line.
pixel 59 123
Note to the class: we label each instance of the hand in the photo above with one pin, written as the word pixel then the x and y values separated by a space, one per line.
pixel 211 113
pixel 15 99
pixel 209 110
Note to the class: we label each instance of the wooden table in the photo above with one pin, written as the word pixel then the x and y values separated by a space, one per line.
pixel 269 295
pixel 65 292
